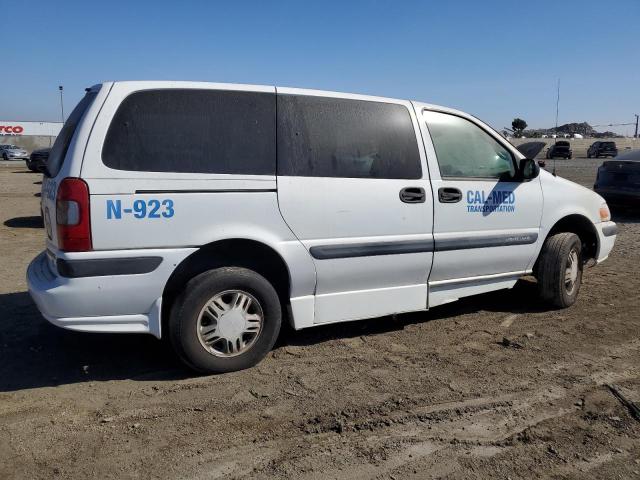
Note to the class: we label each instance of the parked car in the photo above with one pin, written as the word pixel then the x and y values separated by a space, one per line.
pixel 618 180
pixel 560 149
pixel 12 152
pixel 602 149
pixel 37 161
pixel 331 207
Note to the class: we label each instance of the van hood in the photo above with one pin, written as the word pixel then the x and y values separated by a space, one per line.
pixel 560 193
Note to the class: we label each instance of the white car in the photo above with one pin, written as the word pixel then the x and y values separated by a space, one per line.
pixel 12 152
pixel 211 212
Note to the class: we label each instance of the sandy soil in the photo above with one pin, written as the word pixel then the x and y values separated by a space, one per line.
pixel 427 395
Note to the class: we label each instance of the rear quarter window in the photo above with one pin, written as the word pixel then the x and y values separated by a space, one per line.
pixel 193 131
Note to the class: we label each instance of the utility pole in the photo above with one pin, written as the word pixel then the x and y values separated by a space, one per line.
pixel 557 110
pixel 636 134
pixel 61 103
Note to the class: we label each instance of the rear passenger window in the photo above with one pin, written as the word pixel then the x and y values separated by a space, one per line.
pixel 331 137
pixel 193 131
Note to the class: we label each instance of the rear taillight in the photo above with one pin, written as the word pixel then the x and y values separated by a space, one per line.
pixel 72 216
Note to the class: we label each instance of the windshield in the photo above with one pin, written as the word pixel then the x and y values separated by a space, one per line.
pixel 61 145
pixel 608 144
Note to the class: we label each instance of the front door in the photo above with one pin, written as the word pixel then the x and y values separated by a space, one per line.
pixel 486 222
pixel 353 187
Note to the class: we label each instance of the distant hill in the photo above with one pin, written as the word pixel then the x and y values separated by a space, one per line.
pixel 583 129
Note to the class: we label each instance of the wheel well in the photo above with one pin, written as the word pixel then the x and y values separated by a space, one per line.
pixel 584 228
pixel 228 253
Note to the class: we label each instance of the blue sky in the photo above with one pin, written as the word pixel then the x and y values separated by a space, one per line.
pixel 494 59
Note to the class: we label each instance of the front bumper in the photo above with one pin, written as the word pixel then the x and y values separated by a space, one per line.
pixel 607 233
pixel 127 303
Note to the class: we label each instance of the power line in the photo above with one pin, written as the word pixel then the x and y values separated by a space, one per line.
pixel 613 124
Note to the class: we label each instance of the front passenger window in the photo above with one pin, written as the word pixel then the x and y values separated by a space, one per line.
pixel 465 150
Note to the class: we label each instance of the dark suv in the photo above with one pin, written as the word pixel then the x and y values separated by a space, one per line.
pixel 560 149
pixel 602 149
pixel 37 161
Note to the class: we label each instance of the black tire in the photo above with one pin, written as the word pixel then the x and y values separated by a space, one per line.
pixel 552 269
pixel 183 320
pixel 5 156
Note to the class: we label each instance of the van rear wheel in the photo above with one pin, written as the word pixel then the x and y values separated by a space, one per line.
pixel 559 269
pixel 224 320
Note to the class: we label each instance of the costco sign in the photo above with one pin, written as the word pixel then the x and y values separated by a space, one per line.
pixel 45 129
pixel 11 129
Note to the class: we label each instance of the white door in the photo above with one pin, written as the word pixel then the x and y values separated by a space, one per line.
pixel 353 187
pixel 486 220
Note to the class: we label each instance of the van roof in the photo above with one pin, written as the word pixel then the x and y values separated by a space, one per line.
pixel 266 88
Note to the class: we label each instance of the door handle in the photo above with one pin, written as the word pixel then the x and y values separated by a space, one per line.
pixel 449 195
pixel 412 195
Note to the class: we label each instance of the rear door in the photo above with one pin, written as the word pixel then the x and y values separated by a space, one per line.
pixel 353 186
pixel 608 148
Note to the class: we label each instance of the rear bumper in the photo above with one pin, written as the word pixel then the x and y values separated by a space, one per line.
pixel 607 232
pixel 128 303
pixel 34 161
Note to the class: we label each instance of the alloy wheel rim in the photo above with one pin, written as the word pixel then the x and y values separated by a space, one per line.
pixel 230 323
pixel 571 272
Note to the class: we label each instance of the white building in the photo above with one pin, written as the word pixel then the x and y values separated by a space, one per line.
pixel 36 129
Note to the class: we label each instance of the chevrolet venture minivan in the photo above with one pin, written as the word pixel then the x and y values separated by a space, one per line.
pixel 210 212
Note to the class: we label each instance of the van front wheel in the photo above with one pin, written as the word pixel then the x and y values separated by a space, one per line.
pixel 224 320
pixel 559 269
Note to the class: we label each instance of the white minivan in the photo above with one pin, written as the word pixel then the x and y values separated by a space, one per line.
pixel 210 212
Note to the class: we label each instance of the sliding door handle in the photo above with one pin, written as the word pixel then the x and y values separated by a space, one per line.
pixel 412 195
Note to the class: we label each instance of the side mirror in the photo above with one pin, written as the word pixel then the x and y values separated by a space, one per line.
pixel 529 169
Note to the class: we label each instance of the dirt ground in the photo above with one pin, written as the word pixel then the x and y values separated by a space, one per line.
pixel 425 395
